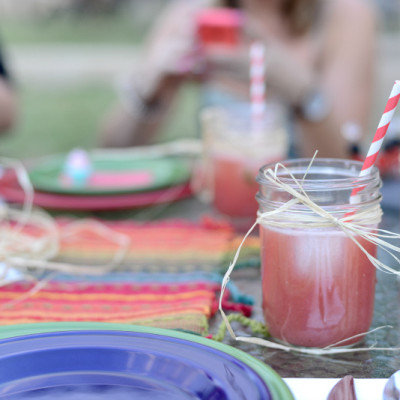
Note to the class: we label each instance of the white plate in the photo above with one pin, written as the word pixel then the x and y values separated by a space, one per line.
pixel 319 388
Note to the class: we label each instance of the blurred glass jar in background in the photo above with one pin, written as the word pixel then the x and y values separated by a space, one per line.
pixel 235 148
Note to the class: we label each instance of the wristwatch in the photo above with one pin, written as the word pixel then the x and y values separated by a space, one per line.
pixel 128 95
pixel 314 107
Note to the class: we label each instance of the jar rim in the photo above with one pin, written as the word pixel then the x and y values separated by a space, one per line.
pixel 346 173
pixel 238 114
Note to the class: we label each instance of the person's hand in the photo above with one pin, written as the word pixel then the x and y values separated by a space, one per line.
pixel 285 75
pixel 172 46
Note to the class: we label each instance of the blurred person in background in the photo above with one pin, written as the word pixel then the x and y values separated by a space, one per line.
pixel 320 62
pixel 8 101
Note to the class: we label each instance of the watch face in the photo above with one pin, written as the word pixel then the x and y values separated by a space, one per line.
pixel 315 107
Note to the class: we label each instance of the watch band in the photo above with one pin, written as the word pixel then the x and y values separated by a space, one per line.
pixel 314 107
pixel 129 96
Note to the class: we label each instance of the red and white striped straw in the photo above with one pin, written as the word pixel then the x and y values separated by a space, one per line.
pixel 257 81
pixel 380 133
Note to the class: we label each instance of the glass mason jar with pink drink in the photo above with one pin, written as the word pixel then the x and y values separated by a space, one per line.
pixel 318 286
pixel 234 150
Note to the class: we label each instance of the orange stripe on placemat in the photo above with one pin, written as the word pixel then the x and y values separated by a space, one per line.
pixel 181 241
pixel 72 315
pixel 172 290
pixel 146 245
pixel 75 301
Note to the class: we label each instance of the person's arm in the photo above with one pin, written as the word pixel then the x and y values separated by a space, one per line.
pixel 164 66
pixel 8 101
pixel 135 120
pixel 8 106
pixel 346 80
pixel 343 82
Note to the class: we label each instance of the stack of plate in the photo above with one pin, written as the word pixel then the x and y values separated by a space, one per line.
pixel 113 183
pixel 104 361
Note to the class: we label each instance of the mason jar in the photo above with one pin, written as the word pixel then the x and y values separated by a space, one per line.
pixel 318 285
pixel 235 148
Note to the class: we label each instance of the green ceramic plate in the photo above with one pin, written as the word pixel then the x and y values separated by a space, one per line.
pixel 278 388
pixel 110 176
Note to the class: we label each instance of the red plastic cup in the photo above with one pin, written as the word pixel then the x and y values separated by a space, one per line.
pixel 219 26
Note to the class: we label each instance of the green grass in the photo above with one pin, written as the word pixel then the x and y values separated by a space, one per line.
pixel 57 118
pixel 183 121
pixel 54 120
pixel 125 26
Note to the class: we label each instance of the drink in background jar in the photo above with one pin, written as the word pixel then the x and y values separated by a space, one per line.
pixel 234 152
pixel 318 287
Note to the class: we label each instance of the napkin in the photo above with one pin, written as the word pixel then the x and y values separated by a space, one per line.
pixel 366 389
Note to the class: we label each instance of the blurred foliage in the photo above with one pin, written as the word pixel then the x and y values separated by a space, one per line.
pixel 69 116
pixel 57 118
pixel 82 21
pixel 183 121
pixel 64 118
pixel 99 7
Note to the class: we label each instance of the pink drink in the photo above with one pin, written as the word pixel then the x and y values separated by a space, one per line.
pixel 235 149
pixel 234 185
pixel 318 287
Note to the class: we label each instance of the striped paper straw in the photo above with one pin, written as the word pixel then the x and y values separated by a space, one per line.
pixel 380 133
pixel 257 82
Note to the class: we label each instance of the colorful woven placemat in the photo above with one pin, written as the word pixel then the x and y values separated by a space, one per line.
pixel 183 301
pixel 169 246
pixel 170 275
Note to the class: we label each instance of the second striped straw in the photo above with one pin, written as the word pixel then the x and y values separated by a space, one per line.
pixel 257 84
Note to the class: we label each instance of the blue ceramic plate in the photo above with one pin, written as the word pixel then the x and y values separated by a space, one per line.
pixel 145 363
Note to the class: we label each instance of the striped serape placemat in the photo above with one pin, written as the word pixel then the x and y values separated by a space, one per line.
pixel 184 301
pixel 161 246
